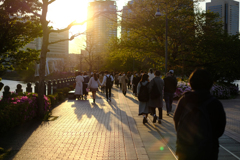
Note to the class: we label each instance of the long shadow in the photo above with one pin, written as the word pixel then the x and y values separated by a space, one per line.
pixel 15 138
pixel 98 110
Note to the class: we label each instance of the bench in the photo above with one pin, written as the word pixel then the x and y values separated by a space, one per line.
pixel 71 95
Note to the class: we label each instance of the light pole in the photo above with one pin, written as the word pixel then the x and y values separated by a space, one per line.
pixel 157 14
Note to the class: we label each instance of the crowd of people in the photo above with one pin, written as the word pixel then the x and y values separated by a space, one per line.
pixel 199 118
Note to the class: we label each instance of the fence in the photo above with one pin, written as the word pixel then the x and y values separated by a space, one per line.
pixel 50 87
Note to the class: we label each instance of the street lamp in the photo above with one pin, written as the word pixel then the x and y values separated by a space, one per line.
pixel 158 14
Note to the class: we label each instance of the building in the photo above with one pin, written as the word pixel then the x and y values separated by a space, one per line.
pixel 102 28
pixel 57 52
pixel 229 11
pixel 125 12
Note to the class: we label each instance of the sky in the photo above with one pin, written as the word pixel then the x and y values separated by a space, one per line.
pixel 61 14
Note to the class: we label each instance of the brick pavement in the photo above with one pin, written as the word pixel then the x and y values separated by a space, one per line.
pixel 101 131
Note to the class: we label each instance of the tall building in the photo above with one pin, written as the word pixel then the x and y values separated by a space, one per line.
pixel 103 27
pixel 229 11
pixel 57 52
pixel 125 12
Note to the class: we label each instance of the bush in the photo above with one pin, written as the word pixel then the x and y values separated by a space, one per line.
pixel 218 90
pixel 18 109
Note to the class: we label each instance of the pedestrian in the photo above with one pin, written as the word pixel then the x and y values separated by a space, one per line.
pixel 119 78
pixel 78 87
pixel 124 81
pixel 199 119
pixel 129 77
pixel 101 75
pixel 170 86
pixel 85 84
pixel 143 97
pixel 156 96
pixel 116 79
pixel 151 74
pixel 93 85
pixel 108 79
pixel 135 82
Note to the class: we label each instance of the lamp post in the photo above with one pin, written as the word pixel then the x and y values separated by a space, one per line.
pixel 157 14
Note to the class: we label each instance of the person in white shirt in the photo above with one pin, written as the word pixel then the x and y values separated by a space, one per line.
pixel 108 80
pixel 151 74
pixel 78 87
pixel 93 85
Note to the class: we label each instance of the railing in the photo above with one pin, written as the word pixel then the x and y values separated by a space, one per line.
pixel 50 87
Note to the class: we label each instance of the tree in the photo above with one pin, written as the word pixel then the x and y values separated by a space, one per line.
pixel 45 42
pixel 18 28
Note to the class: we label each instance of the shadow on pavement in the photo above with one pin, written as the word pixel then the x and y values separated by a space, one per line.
pixel 102 111
pixel 15 138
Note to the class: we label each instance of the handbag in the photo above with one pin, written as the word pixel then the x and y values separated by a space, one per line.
pixel 87 89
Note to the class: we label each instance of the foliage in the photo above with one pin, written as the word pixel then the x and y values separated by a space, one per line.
pixel 19 108
pixel 18 28
pixel 195 39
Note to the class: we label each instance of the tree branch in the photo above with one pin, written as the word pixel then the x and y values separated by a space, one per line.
pixel 81 23
pixel 51 1
pixel 62 40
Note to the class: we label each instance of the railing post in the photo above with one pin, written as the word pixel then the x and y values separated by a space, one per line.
pixel 29 87
pixel 59 84
pixel 19 88
pixel 54 86
pixel 63 82
pixel 6 92
pixel 49 87
pixel 36 87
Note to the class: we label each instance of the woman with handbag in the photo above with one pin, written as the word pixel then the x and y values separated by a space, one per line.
pixel 93 85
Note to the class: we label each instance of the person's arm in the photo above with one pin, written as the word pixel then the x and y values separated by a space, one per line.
pixel 104 79
pixel 138 88
pixel 178 112
pixel 99 82
pixel 90 82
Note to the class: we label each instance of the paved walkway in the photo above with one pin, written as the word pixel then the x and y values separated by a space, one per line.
pixel 101 131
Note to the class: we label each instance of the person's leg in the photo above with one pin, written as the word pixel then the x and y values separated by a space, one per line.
pixel 171 101
pixel 94 96
pixel 110 92
pixel 167 102
pixel 160 113
pixel 106 92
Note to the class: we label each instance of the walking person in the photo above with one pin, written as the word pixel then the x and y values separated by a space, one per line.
pixel 93 85
pixel 135 82
pixel 151 74
pixel 199 119
pixel 170 86
pixel 119 79
pixel 124 81
pixel 116 79
pixel 78 87
pixel 101 75
pixel 129 77
pixel 156 96
pixel 85 84
pixel 108 79
pixel 143 97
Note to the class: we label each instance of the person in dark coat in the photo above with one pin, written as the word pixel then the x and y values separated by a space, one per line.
pixel 85 84
pixel 170 86
pixel 158 102
pixel 135 82
pixel 201 83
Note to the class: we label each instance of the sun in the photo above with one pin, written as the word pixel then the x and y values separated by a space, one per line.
pixel 62 12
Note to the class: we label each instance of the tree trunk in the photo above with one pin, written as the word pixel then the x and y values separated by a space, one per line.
pixel 43 56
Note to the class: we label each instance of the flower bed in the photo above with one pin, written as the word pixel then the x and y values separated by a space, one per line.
pixel 19 108
pixel 218 90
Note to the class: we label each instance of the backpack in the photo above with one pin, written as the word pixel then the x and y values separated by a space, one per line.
pixel 194 132
pixel 109 81
pixel 143 95
pixel 86 79
pixel 155 93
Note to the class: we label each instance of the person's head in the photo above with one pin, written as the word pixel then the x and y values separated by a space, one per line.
pixel 79 73
pixel 168 74
pixel 76 73
pixel 144 77
pixel 106 72
pixel 157 73
pixel 171 72
pixel 85 73
pixel 123 73
pixel 200 79
pixel 95 76
pixel 151 70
